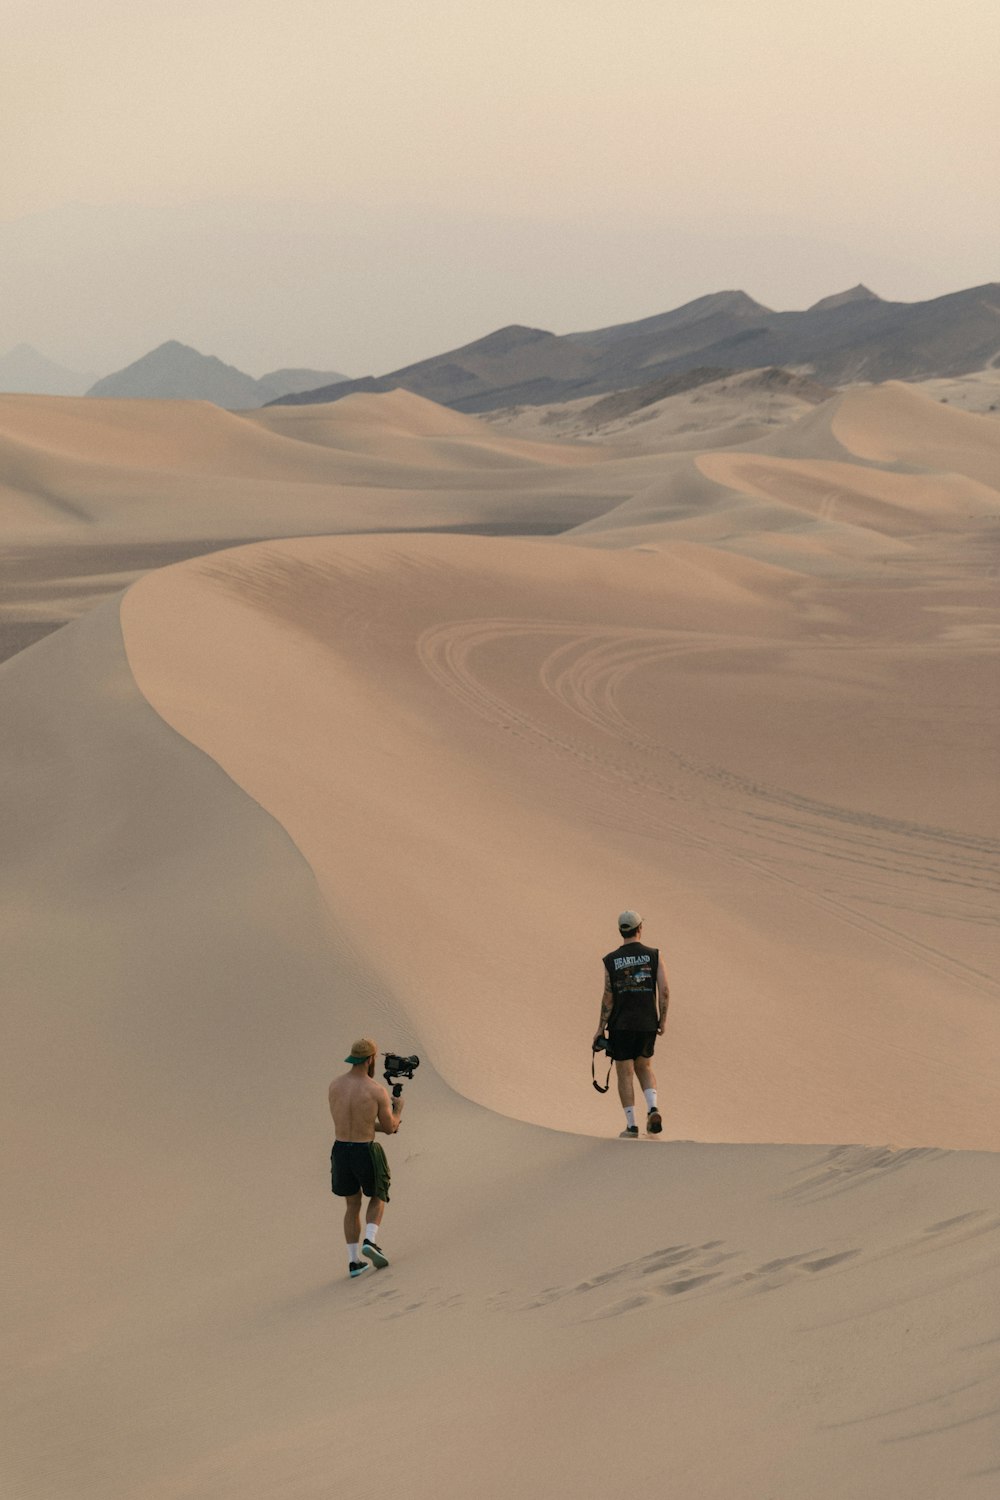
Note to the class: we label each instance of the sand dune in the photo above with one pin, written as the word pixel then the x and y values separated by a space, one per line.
pixel 148 481
pixel 738 408
pixel 728 506
pixel 894 424
pixel 816 497
pixel 787 1319
pixel 319 785
pixel 893 504
pixel 163 469
pixel 94 493
pixel 502 710
pixel 979 392
pixel 407 428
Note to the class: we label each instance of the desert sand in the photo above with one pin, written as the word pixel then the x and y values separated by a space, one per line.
pixel 392 766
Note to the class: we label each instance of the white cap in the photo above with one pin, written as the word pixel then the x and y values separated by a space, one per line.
pixel 628 921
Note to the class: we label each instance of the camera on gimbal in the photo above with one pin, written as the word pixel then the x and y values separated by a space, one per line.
pixel 397 1067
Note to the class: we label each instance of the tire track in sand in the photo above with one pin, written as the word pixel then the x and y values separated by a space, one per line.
pixel 583 667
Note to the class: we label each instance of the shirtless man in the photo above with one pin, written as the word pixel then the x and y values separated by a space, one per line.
pixel 359 1107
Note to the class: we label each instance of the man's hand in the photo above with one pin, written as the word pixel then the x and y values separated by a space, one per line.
pixel 598 1035
pixel 662 1026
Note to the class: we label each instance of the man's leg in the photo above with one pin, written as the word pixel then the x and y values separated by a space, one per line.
pixel 644 1073
pixel 626 1081
pixel 626 1090
pixel 376 1208
pixel 647 1082
pixel 352 1230
pixel 352 1218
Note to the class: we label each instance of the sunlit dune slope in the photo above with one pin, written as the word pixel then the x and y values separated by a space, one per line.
pixel 173 469
pixel 93 493
pixel 880 500
pixel 724 501
pixel 484 739
pixel 117 469
pixel 822 496
pixel 894 424
pixel 198 434
pixel 404 424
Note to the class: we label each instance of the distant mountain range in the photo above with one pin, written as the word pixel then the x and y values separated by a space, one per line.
pixel 25 371
pixel 852 336
pixel 176 371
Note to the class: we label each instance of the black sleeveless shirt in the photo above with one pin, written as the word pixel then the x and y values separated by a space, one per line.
pixel 632 971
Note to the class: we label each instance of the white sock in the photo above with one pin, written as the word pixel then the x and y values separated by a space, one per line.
pixel 354 1254
pixel 629 1115
pixel 650 1096
pixel 371 1230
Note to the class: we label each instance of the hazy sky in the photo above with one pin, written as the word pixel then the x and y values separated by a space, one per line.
pixel 358 185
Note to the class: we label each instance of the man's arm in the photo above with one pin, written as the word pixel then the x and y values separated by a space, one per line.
pixel 663 996
pixel 607 1001
pixel 389 1112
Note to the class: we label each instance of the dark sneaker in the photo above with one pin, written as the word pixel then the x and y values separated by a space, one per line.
pixel 375 1254
pixel 359 1267
pixel 630 1133
pixel 654 1122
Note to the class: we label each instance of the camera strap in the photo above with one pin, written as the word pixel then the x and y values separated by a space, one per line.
pixel 603 1089
pixel 593 1075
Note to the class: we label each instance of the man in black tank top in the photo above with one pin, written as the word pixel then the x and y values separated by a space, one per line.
pixel 634 1011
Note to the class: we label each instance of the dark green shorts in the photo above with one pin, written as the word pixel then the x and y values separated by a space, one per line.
pixel 359 1167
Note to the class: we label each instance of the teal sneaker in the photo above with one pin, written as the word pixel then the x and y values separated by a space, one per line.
pixel 375 1254
pixel 630 1133
pixel 359 1267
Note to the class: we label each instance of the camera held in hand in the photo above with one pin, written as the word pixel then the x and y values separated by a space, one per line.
pixel 399 1067
pixel 601 1044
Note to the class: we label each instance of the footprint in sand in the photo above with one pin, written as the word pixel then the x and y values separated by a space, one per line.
pixel 826 1261
pixel 683 1269
pixel 686 1284
pixel 616 1309
pixel 978 1221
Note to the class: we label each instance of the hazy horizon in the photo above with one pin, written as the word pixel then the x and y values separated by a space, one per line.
pixel 340 189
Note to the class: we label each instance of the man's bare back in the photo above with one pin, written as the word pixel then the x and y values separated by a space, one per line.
pixel 360 1106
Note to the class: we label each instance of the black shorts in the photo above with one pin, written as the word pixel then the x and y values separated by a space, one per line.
pixel 359 1167
pixel 626 1046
